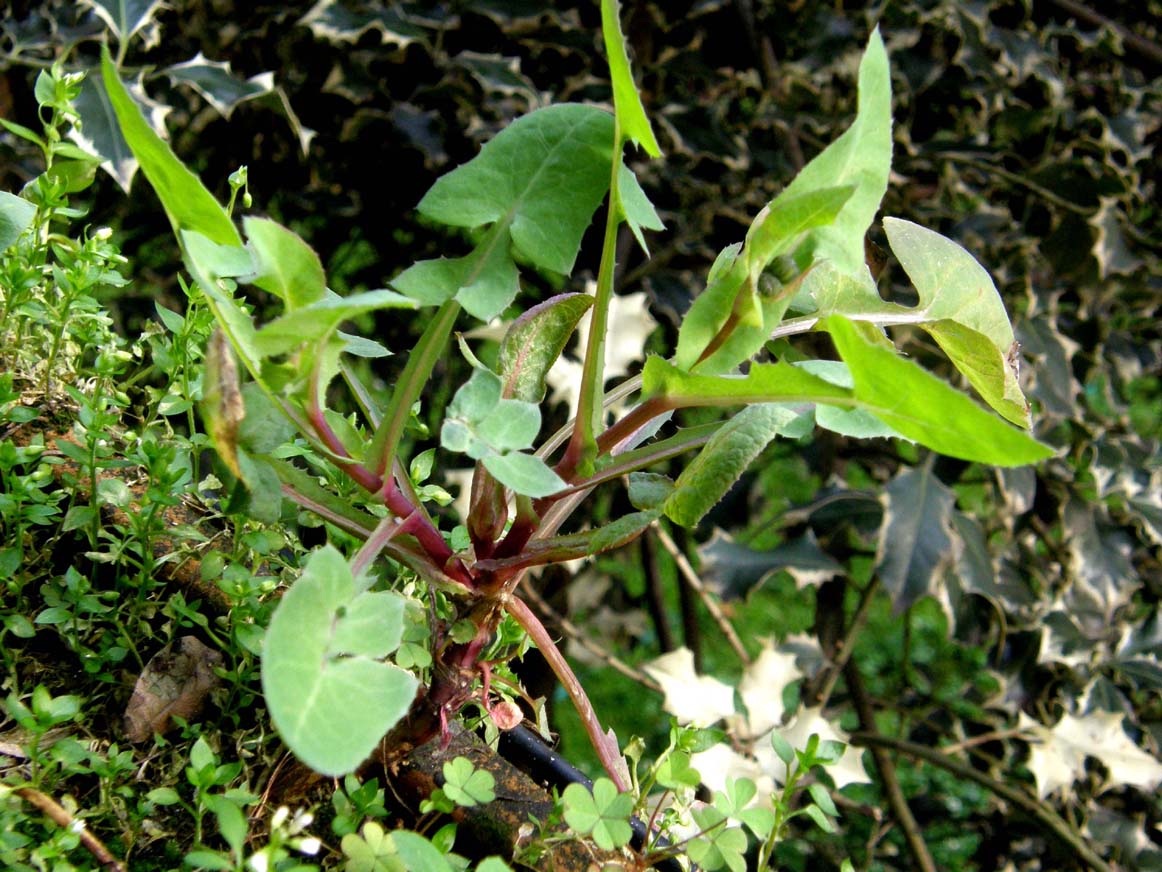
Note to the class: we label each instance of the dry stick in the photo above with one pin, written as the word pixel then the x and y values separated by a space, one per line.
pixel 655 602
pixel 692 579
pixel 574 632
pixel 844 649
pixel 59 816
pixel 1149 50
pixel 688 609
pixel 887 770
pixel 1042 813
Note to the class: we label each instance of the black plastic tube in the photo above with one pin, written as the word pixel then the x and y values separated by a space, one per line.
pixel 526 750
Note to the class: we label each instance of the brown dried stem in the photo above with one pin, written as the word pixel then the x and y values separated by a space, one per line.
pixel 61 817
pixel 691 578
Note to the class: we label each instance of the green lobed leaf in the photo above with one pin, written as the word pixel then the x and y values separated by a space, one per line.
pixel 631 115
pixel 286 266
pixel 538 183
pixel 466 785
pixel 329 696
pixel 534 341
pixel 721 846
pixel 16 215
pixel 723 460
pixel 862 157
pixel 922 407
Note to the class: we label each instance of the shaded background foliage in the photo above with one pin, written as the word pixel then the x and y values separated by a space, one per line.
pixel 1026 131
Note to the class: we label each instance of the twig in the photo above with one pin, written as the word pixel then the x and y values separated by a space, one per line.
pixel 845 646
pixel 574 632
pixel 887 769
pixel 654 600
pixel 691 578
pixel 61 817
pixel 1151 51
pixel 1038 810
pixel 983 738
pixel 688 609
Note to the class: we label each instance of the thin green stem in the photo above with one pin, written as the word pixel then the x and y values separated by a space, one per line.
pixel 421 362
pixel 582 445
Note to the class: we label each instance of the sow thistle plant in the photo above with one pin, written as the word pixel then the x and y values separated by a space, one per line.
pixel 526 201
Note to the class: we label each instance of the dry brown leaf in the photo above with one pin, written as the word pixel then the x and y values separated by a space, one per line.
pixel 173 684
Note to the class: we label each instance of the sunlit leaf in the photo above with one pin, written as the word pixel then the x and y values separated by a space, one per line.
pixel 862 157
pixel 922 407
pixel 16 215
pixel 1057 754
pixel 285 265
pixel 187 202
pixel 537 185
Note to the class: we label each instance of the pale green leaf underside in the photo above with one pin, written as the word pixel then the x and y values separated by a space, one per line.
pixel 330 699
pixel 723 460
pixel 533 343
pixel 965 314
